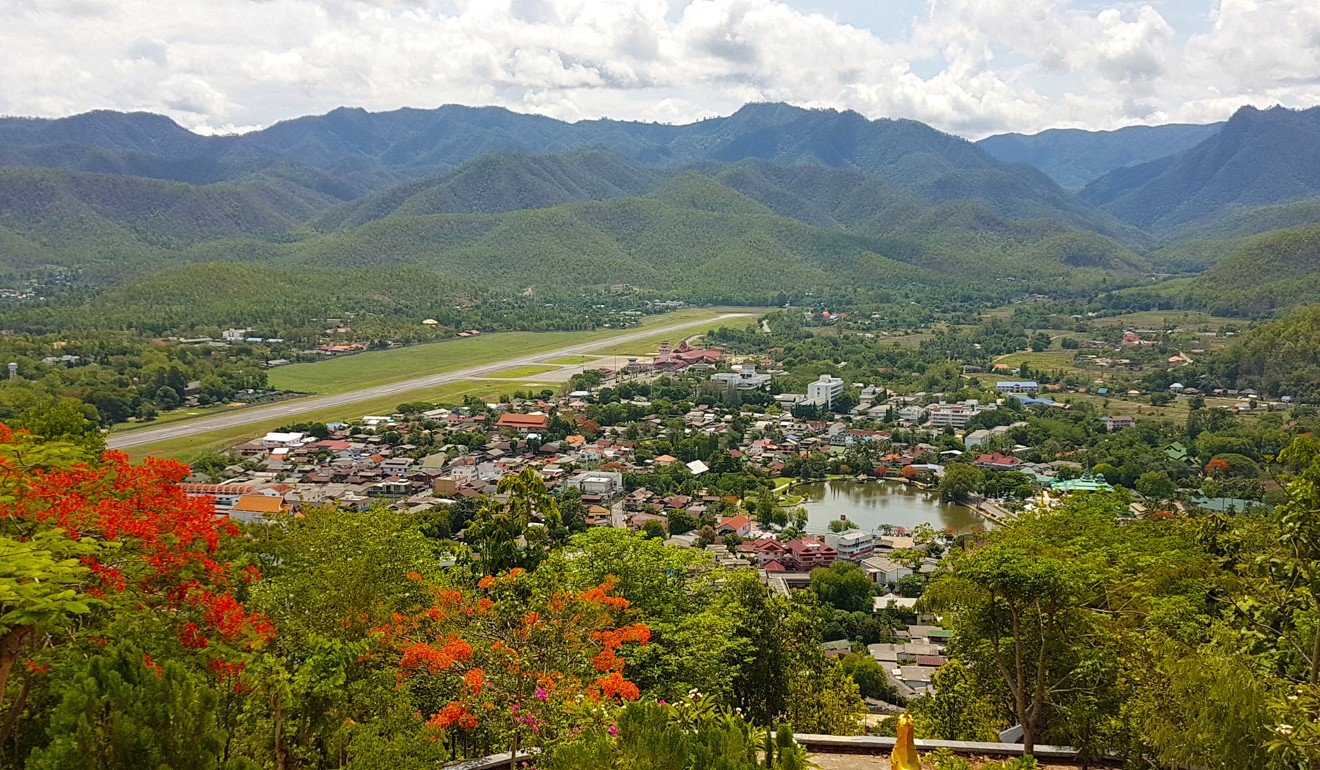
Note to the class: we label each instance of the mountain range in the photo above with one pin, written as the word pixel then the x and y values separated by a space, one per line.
pixel 834 202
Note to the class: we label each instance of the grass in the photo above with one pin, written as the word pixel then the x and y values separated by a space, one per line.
pixel 571 360
pixel 1160 319
pixel 1046 360
pixel 364 370
pixel 191 446
pixel 523 372
pixel 647 346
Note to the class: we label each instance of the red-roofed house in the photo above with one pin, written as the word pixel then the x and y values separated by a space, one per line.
pixel 997 462
pixel 764 551
pixel 738 525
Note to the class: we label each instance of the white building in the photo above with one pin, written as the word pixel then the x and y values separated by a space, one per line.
pixel 852 545
pixel 957 415
pixel 825 390
pixel 604 483
pixel 1017 386
pixel 746 378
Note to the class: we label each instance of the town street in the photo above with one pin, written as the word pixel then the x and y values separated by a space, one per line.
pixel 295 407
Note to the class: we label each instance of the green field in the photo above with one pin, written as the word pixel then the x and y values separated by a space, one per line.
pixel 1046 360
pixel 524 372
pixel 363 370
pixel 647 346
pixel 191 446
pixel 571 360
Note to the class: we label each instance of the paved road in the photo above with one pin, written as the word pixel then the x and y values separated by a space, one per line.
pixel 299 406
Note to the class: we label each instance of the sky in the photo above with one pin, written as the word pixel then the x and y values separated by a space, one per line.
pixel 969 67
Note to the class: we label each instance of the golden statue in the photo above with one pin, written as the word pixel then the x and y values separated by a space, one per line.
pixel 905 748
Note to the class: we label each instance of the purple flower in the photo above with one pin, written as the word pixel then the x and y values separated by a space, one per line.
pixel 541 693
pixel 614 729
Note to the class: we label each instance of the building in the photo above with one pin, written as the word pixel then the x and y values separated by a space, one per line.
pixel 1017 386
pixel 607 484
pixel 825 390
pixel 957 415
pixel 976 438
pixel 746 378
pixel 1084 483
pixel 739 525
pixel 806 553
pixel 853 545
pixel 256 507
pixel 997 462
pixel 522 423
pixel 883 569
pixel 1118 423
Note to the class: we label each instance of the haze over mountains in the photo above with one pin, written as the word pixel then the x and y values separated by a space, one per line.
pixel 829 201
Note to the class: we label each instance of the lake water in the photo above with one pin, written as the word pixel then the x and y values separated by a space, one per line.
pixel 869 504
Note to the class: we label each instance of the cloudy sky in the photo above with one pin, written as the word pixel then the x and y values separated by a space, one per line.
pixel 971 67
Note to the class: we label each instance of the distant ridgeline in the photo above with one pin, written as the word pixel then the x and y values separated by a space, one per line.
pixel 771 204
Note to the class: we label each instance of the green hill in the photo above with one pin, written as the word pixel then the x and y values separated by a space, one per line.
pixel 1259 276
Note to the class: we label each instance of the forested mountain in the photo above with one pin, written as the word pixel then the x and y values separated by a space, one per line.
pixel 769 203
pixel 1074 157
pixel 367 150
pixel 505 182
pixel 1259 157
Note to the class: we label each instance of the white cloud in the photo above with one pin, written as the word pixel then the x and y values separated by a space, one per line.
pixel 986 65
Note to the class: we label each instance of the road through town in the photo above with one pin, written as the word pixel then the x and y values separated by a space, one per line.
pixel 295 407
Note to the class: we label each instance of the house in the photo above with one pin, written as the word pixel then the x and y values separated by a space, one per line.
pixel 736 525
pixel 522 423
pixel 883 569
pixel 1084 483
pixel 1017 386
pixel 997 462
pixel 836 648
pixel 765 552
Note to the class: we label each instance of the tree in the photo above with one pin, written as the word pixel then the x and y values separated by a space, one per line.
pixel 844 586
pixel 653 529
pixel 1281 607
pixel 955 711
pixel 124 712
pixel 775 639
pixel 1017 605
pixel 960 482
pixel 870 677
pixel 63 420
pixel 506 664
pixel 496 527
pixel 681 522
pixel 1156 486
pixel 108 533
pixel 825 700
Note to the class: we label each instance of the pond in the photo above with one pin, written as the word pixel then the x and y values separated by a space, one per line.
pixel 868 504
